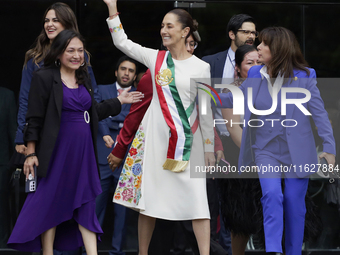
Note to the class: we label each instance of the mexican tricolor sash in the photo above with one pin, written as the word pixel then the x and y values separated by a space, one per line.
pixel 176 117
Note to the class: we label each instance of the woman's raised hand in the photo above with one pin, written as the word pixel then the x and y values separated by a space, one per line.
pixel 112 6
pixel 110 2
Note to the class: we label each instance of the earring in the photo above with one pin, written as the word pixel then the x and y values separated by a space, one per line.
pixel 182 36
pixel 83 64
pixel 57 63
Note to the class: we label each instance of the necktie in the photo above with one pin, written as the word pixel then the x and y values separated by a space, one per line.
pixel 120 91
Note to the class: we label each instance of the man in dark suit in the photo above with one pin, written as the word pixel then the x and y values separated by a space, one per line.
pixel 126 72
pixel 241 30
pixel 8 126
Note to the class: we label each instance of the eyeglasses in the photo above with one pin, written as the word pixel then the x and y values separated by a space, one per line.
pixel 248 32
pixel 192 44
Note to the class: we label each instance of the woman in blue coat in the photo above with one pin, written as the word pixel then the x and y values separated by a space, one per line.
pixel 57 17
pixel 279 140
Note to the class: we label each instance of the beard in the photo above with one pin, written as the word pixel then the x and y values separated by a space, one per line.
pixel 125 84
pixel 239 43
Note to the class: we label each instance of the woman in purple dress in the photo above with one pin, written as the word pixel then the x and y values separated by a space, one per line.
pixel 62 121
pixel 57 17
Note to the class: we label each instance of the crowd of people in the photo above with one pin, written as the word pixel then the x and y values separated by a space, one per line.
pixel 145 135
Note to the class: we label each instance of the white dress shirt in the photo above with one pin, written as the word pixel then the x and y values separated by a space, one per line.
pixel 272 88
pixel 118 88
pixel 228 72
pixel 229 66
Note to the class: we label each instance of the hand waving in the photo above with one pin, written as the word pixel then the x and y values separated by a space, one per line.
pixel 130 97
pixel 112 6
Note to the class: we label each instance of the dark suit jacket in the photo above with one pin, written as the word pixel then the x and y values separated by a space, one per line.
pixel 109 126
pixel 216 62
pixel 8 124
pixel 134 117
pixel 44 113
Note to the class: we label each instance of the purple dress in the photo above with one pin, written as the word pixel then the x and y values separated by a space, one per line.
pixel 66 196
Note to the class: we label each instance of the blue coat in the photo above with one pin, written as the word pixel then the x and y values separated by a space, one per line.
pixel 300 139
pixel 110 125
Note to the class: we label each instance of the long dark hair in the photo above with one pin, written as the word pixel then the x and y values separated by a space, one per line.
pixel 285 51
pixel 59 46
pixel 66 17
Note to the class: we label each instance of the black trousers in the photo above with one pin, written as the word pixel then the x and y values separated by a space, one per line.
pixel 4 206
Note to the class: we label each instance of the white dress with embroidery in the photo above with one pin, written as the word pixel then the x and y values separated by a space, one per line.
pixel 144 185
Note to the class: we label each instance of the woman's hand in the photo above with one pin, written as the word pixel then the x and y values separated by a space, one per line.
pixel 30 162
pixel 21 148
pixel 112 6
pixel 329 157
pixel 108 141
pixel 110 2
pixel 130 97
pixel 209 159
pixel 114 162
pixel 219 156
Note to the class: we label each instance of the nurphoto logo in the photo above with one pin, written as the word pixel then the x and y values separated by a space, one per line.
pixel 238 100
pixel 239 104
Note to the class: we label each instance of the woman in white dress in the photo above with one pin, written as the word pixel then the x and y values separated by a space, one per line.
pixel 173 144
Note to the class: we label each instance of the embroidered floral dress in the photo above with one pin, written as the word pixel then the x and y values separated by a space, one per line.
pixel 144 184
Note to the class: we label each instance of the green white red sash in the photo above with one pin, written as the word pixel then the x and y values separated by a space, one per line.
pixel 177 118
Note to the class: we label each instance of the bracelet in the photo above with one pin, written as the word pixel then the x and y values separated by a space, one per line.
pixel 114 15
pixel 30 155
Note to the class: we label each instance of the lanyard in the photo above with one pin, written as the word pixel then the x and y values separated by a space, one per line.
pixel 231 61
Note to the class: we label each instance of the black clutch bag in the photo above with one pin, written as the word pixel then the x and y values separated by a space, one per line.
pixel 326 172
pixel 17 160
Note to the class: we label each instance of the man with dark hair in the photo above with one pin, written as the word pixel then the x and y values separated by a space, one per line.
pixel 126 73
pixel 240 30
